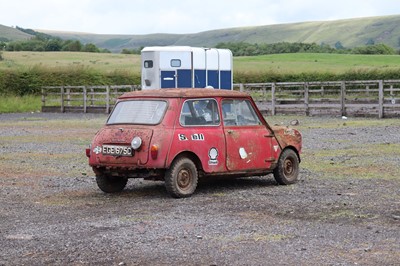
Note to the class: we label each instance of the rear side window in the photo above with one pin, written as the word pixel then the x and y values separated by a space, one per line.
pixel 200 112
pixel 147 112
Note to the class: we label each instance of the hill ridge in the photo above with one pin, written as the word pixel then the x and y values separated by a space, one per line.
pixel 349 32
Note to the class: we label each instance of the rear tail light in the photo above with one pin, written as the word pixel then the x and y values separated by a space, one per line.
pixel 154 152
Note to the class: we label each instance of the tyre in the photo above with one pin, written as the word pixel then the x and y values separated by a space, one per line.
pixel 181 178
pixel 287 170
pixel 110 184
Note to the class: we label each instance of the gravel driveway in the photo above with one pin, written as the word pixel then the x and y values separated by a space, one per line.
pixel 345 210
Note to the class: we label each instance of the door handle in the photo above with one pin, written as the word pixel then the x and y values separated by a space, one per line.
pixel 230 131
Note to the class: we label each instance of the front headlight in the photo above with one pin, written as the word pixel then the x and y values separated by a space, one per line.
pixel 136 143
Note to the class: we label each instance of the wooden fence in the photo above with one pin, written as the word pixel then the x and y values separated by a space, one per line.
pixel 374 98
pixel 86 99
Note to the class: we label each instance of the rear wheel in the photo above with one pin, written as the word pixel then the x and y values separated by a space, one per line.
pixel 287 170
pixel 181 179
pixel 110 184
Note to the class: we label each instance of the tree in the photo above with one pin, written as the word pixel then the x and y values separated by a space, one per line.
pixel 370 42
pixel 72 46
pixel 339 46
pixel 53 45
pixel 374 49
pixel 91 48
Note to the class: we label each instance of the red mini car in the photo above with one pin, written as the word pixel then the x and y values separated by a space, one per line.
pixel 179 135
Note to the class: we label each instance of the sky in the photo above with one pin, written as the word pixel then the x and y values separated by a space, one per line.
pixel 180 16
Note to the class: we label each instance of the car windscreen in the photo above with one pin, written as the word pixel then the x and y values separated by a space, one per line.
pixel 148 112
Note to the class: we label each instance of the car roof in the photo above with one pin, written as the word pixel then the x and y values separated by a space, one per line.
pixel 183 93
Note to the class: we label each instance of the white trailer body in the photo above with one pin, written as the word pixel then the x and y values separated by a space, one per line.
pixel 186 67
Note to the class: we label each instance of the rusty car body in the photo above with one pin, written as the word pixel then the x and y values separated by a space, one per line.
pixel 179 135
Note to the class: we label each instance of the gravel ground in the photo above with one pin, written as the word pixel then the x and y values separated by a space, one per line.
pixel 52 212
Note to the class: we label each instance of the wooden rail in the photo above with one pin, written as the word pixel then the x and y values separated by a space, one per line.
pixel 86 99
pixel 376 98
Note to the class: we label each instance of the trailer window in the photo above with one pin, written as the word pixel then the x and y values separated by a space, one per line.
pixel 175 62
pixel 148 64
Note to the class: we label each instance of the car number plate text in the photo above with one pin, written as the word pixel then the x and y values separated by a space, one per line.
pixel 115 150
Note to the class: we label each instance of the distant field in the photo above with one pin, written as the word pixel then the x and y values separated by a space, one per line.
pixel 304 62
pixel 100 62
pixel 280 63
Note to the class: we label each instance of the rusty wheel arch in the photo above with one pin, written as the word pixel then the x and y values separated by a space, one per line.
pixel 294 149
pixel 192 156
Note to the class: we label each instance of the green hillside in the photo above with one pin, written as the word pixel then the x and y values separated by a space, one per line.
pixel 9 33
pixel 350 33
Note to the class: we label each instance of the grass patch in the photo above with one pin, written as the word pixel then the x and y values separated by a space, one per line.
pixel 355 162
pixel 254 238
pixel 20 104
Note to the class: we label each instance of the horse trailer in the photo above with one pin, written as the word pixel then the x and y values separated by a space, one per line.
pixel 186 67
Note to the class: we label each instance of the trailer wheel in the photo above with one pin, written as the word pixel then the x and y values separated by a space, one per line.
pixel 287 170
pixel 110 184
pixel 181 178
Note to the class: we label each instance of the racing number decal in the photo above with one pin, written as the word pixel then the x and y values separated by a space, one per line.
pixel 182 137
pixel 198 137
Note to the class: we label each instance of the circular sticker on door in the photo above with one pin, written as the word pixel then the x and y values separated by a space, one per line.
pixel 213 155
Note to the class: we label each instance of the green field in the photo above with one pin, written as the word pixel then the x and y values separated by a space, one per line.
pixel 279 63
pixel 101 62
pixel 308 62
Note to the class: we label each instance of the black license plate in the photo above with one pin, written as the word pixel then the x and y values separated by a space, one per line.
pixel 116 150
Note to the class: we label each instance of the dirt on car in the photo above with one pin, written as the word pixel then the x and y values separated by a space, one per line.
pixel 344 210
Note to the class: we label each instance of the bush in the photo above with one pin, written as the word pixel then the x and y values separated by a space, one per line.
pixel 272 76
pixel 374 49
pixel 19 82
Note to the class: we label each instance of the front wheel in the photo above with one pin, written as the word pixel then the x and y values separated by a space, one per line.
pixel 110 184
pixel 181 178
pixel 287 170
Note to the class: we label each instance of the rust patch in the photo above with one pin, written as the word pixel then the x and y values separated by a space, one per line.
pixel 287 136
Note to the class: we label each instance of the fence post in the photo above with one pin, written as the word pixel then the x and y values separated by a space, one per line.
pixel 306 98
pixel 84 99
pixel 273 100
pixel 43 98
pixel 68 92
pixel 107 99
pixel 62 99
pixel 343 98
pixel 381 96
pixel 241 87
pixel 91 96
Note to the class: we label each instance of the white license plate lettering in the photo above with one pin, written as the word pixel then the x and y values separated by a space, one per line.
pixel 117 150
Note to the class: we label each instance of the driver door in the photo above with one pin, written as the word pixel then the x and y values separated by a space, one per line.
pixel 248 141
